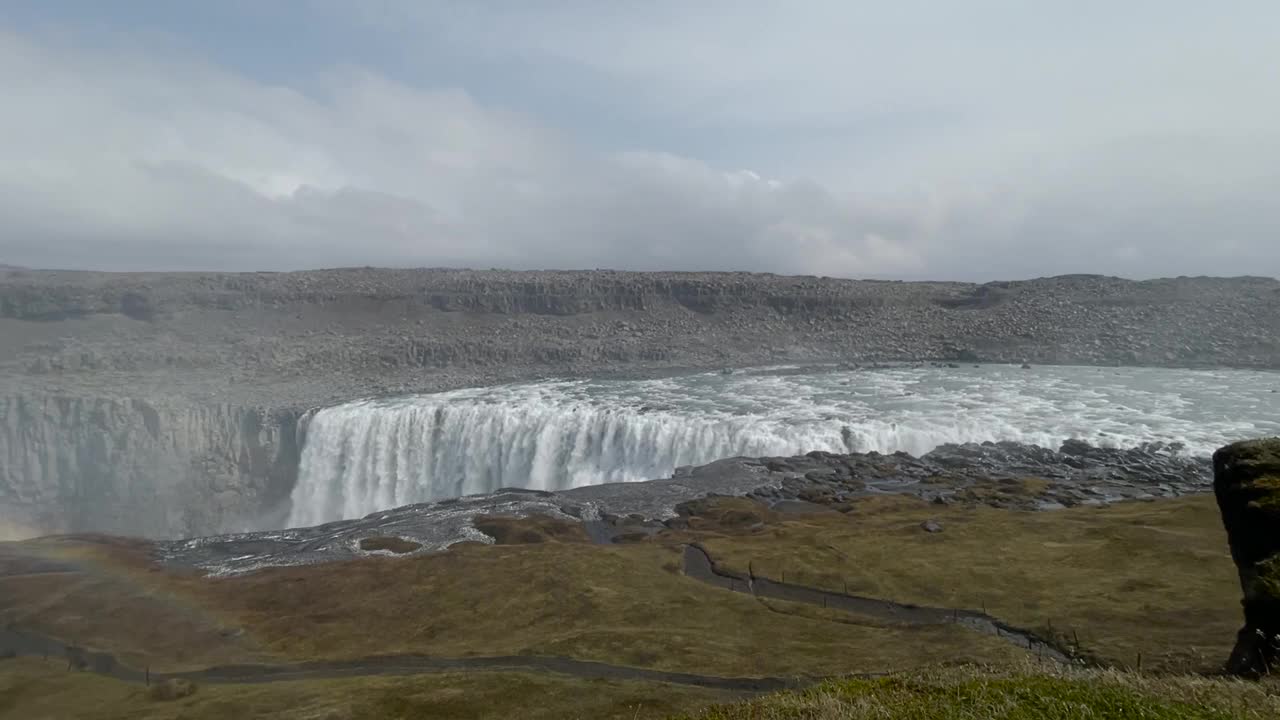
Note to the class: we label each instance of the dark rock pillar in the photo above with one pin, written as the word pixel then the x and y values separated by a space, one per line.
pixel 1247 485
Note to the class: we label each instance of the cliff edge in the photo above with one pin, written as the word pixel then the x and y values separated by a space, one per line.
pixel 169 403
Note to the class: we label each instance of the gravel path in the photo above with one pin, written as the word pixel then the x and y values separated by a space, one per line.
pixel 697 564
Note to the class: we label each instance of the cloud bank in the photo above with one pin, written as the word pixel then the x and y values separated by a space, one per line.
pixel 738 151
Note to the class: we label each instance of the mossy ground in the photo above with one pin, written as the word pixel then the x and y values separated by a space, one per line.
pixel 509 530
pixel 396 545
pixel 1261 458
pixel 1248 488
pixel 1269 576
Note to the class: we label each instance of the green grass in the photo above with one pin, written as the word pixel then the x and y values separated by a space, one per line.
pixel 625 605
pixel 1154 578
pixel 1024 694
pixel 35 690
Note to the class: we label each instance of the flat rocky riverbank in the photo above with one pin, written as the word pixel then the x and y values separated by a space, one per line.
pixel 1004 475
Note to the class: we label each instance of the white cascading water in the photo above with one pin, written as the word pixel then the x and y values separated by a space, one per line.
pixel 368 456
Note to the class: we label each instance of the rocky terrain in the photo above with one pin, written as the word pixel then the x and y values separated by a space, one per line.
pixel 1247 487
pixel 1001 475
pixel 307 338
pixel 183 391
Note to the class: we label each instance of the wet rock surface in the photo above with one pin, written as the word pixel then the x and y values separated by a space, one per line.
pixel 1247 486
pixel 1006 475
pixel 432 526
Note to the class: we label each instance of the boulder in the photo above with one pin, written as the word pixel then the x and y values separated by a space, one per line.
pixel 1247 486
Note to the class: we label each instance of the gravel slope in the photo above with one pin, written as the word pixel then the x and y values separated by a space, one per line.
pixel 307 338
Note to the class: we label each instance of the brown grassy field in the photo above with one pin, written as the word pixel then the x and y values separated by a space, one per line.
pixel 1150 578
pixel 626 605
pixel 1154 578
pixel 109 596
pixel 36 690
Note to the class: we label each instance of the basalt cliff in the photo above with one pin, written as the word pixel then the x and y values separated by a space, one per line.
pixel 173 404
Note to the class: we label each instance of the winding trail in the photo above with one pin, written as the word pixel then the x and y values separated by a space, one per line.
pixel 698 565
pixel 27 644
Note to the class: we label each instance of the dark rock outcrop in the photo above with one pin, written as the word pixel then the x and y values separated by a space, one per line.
pixel 1247 485
pixel 1003 475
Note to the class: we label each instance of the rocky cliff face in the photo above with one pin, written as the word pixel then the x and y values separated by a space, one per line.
pixel 377 321
pixel 166 403
pixel 131 467
pixel 1247 485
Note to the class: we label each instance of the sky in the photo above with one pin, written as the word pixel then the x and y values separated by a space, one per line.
pixel 991 139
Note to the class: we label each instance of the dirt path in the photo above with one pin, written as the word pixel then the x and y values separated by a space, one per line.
pixel 28 644
pixel 699 565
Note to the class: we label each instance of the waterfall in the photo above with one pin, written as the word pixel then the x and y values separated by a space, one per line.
pixel 372 455
pixel 366 456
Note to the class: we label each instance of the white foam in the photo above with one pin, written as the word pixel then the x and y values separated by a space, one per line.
pixel 367 456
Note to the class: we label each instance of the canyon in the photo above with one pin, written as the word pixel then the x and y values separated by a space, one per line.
pixel 175 404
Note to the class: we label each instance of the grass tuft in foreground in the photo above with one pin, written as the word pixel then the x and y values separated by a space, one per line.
pixel 1023 694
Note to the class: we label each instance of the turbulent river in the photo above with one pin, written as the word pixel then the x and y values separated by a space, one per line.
pixel 367 456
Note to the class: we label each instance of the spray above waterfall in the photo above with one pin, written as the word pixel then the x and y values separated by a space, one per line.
pixel 373 455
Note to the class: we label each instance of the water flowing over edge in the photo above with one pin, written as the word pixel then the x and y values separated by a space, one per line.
pixel 371 455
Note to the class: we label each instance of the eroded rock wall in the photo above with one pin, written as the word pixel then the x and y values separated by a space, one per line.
pixel 1247 486
pixel 131 467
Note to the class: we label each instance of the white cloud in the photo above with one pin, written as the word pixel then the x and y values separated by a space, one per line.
pixel 152 159
pixel 112 162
